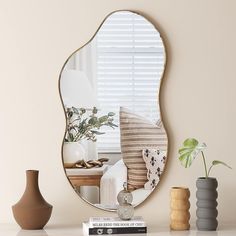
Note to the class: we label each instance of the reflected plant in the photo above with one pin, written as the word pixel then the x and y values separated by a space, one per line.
pixel 82 125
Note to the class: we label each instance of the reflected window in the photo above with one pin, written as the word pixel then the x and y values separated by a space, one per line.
pixel 129 66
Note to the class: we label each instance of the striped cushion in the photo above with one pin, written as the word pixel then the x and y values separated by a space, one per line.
pixel 136 134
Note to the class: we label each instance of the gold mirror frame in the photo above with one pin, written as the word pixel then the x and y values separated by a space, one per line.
pixel 159 99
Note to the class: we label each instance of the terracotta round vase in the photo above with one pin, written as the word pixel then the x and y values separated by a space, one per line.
pixel 180 208
pixel 32 211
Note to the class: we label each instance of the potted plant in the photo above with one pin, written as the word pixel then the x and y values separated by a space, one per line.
pixel 81 125
pixel 206 186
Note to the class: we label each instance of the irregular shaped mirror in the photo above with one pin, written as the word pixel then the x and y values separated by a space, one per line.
pixel 110 93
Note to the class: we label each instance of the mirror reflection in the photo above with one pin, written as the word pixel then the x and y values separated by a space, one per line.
pixel 114 134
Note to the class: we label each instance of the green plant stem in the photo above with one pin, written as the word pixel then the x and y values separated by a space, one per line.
pixel 205 166
pixel 209 170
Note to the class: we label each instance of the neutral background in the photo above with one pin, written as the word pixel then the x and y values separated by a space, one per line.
pixel 197 98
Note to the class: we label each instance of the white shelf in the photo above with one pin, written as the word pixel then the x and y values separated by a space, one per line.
pixel 57 230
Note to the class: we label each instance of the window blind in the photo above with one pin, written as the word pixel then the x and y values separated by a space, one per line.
pixel 130 61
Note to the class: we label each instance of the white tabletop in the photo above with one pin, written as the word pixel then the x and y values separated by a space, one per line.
pixel 91 171
pixel 59 230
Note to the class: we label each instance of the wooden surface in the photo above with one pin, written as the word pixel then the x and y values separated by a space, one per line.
pixel 86 177
pixel 85 180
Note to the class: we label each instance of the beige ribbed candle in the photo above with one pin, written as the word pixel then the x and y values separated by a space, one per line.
pixel 179 217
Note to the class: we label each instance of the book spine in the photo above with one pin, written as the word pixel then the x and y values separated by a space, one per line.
pixel 116 224
pixel 106 231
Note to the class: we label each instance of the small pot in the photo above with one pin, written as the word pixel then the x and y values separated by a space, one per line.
pixel 206 204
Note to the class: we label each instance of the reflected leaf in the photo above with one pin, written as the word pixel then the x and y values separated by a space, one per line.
pixel 97 132
pixel 93 120
pixel 103 119
pixel 111 114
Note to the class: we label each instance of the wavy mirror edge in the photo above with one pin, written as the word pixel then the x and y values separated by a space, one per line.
pixel 158 97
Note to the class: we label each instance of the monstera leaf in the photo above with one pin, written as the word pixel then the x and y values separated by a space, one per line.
pixel 189 151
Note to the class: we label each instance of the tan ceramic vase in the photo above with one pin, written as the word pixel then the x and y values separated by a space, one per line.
pixel 180 205
pixel 32 211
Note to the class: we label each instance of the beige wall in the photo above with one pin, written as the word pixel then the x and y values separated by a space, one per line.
pixel 198 95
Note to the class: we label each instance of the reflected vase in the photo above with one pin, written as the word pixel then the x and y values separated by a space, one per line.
pixel 32 211
pixel 73 152
pixel 179 208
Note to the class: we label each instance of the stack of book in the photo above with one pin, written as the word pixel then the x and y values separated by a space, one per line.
pixel 114 225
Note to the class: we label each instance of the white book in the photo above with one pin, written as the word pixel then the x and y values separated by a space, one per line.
pixel 126 231
pixel 85 226
pixel 106 222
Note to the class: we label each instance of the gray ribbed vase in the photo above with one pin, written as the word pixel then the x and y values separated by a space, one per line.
pixel 206 204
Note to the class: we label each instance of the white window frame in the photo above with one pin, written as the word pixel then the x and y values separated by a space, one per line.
pixel 107 46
